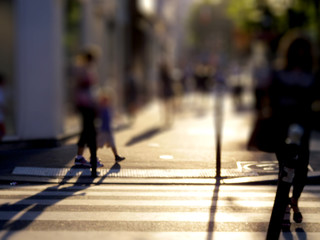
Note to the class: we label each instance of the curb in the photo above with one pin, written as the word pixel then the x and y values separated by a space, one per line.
pixel 263 180
pixel 313 178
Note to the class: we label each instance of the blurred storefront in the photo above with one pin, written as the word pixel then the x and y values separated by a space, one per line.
pixel 31 62
pixel 39 40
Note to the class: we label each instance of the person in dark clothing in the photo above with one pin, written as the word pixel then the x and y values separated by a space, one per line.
pixel 290 100
pixel 87 107
pixel 166 92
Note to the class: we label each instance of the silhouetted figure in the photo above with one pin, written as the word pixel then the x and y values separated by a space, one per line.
pixel 131 94
pixel 261 76
pixel 236 85
pixel 290 100
pixel 86 104
pixel 203 76
pixel 166 92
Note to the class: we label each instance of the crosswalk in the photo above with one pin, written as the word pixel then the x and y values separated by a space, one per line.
pixel 142 212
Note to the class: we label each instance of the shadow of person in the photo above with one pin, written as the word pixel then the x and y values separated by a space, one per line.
pixel 287 235
pixel 22 214
pixel 149 133
pixel 116 168
pixel 213 209
pixel 302 235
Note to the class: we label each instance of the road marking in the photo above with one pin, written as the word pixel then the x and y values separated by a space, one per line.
pixel 138 173
pixel 166 156
pixel 129 235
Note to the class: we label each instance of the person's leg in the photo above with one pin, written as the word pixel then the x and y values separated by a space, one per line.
pixel 300 179
pixel 80 160
pixel 301 171
pixel 80 151
pixel 116 155
pixel 91 135
pixel 114 148
pixel 283 202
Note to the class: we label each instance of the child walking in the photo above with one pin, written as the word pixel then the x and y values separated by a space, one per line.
pixel 105 133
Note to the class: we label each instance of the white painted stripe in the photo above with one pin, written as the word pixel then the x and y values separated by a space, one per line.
pixel 142 173
pixel 106 187
pixel 194 194
pixel 145 216
pixel 163 203
pixel 81 235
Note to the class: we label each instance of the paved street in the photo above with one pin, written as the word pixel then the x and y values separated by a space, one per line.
pixel 185 150
pixel 128 212
pixel 165 189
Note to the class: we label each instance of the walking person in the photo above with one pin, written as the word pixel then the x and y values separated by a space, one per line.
pixel 105 133
pixel 86 104
pixel 290 100
pixel 167 93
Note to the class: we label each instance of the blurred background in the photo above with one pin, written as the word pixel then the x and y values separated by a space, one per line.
pixel 201 40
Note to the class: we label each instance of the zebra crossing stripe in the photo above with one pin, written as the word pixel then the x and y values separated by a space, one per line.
pixel 194 194
pixel 135 187
pixel 147 212
pixel 79 235
pixel 145 216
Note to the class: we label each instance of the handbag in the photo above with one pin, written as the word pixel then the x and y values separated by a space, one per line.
pixel 262 137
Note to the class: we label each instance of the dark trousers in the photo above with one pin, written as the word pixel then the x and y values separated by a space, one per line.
pixel 88 133
pixel 301 164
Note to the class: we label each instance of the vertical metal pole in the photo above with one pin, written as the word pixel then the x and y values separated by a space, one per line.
pixel 218 126
pixel 218 156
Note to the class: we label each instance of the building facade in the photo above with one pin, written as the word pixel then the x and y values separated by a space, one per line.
pixel 39 39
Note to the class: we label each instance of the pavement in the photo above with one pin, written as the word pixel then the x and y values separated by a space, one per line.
pixel 183 153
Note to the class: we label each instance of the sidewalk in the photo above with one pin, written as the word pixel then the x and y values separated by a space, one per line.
pixel 184 153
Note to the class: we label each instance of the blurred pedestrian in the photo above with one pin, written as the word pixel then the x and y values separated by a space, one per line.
pixel 262 131
pixel 167 92
pixel 235 82
pixel 105 133
pixel 203 75
pixel 131 95
pixel 290 100
pixel 261 76
pixel 2 107
pixel 86 79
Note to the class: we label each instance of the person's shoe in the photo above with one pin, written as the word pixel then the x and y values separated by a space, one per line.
pixel 99 164
pixel 81 162
pixel 297 216
pixel 285 225
pixel 119 158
